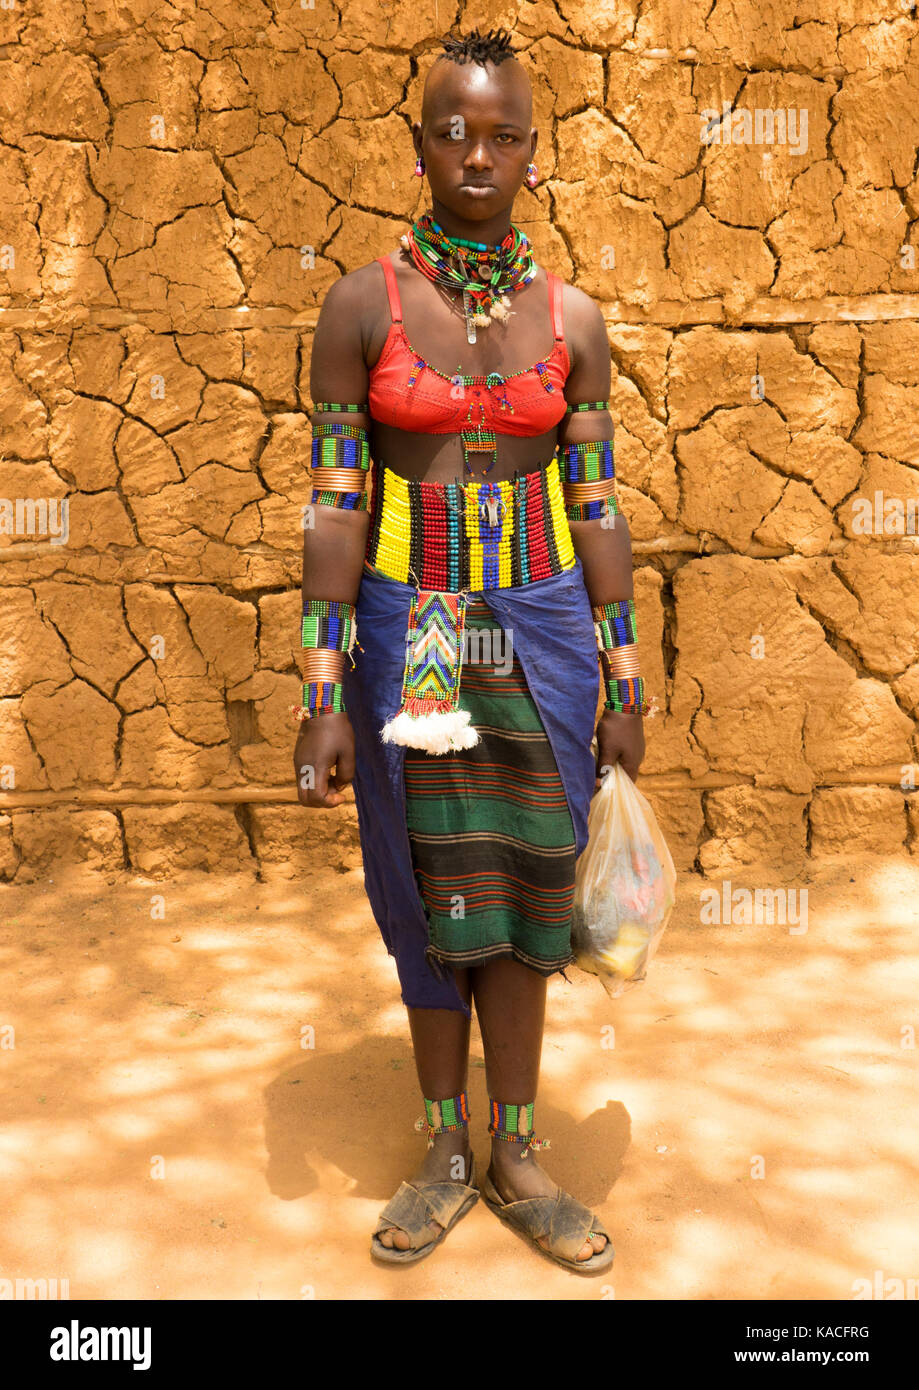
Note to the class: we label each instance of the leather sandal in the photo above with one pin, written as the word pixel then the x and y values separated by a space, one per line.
pixel 565 1221
pixel 445 1202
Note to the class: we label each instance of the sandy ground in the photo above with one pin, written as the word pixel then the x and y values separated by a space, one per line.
pixel 165 1135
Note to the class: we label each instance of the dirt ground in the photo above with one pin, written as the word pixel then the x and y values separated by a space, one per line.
pixel 752 1132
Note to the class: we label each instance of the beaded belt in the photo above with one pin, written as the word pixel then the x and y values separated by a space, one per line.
pixel 482 535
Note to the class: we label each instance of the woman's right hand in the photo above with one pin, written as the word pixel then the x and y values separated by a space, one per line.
pixel 323 743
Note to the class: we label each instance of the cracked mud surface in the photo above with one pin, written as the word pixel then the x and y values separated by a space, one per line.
pixel 182 187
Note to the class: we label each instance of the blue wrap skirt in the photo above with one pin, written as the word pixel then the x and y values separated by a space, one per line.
pixel 555 642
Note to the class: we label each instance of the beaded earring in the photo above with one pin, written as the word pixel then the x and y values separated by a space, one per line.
pixel 419 166
pixel 532 175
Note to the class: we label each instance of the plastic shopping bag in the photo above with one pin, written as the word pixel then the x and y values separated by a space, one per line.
pixel 625 886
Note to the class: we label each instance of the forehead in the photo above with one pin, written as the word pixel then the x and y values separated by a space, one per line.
pixel 476 92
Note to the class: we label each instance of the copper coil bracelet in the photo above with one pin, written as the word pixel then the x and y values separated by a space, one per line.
pixel 339 479
pixel 321 664
pixel 621 662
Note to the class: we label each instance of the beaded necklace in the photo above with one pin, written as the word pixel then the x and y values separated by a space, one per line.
pixel 485 274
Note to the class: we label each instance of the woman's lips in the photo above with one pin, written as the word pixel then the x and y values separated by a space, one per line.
pixel 478 190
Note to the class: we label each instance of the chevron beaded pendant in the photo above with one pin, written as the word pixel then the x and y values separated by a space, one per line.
pixel 429 717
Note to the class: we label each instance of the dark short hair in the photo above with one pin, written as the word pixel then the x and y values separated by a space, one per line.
pixel 474 47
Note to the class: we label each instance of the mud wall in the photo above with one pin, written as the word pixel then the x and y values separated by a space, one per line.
pixel 735 185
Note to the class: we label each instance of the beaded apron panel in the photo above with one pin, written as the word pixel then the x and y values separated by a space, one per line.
pixel 472 536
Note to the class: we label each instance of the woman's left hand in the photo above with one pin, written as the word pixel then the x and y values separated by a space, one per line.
pixel 620 738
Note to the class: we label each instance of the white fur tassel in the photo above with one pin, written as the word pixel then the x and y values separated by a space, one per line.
pixel 432 733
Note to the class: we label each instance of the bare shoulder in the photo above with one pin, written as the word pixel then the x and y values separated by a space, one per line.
pixel 352 318
pixel 585 326
pixel 354 290
pixel 351 315
pixel 581 311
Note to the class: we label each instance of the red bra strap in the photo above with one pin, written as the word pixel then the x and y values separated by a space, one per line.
pixel 392 289
pixel 555 296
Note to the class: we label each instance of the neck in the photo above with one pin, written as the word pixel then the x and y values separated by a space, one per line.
pixel 491 232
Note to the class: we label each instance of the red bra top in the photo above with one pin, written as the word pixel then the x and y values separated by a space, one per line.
pixel 405 391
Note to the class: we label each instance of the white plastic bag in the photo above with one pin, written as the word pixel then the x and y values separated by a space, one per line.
pixel 625 886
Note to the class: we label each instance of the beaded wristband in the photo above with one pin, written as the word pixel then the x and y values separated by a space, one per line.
pixel 328 631
pixel 320 697
pixel 589 480
pixel 330 407
pixel 340 463
pixel 327 622
pixel 617 642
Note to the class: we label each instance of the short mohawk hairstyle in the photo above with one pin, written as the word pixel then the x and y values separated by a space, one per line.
pixel 474 47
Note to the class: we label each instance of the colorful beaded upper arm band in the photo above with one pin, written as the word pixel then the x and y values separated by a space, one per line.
pixel 616 639
pixel 328 632
pixel 587 405
pixel 589 480
pixel 340 459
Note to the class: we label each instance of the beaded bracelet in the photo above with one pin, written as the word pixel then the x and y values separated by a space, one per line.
pixel 320 697
pixel 617 641
pixel 589 480
pixel 328 631
pixel 331 407
pixel 340 464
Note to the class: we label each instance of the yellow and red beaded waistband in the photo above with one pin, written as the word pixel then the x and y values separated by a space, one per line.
pixel 478 535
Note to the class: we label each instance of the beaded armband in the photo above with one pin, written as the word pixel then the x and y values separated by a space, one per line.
pixel 327 634
pixel 587 405
pixel 340 462
pixel 616 638
pixel 589 480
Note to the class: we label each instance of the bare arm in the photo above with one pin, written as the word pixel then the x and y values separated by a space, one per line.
pixel 604 546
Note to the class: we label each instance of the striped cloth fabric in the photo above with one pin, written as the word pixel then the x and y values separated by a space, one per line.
pixel 493 845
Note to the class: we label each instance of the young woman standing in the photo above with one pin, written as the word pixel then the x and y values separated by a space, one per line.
pixel 471 595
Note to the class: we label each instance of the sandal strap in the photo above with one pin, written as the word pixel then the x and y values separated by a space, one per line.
pixel 412 1208
pixel 565 1221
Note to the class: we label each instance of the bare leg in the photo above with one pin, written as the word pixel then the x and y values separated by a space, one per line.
pixel 440 1038
pixel 510 1001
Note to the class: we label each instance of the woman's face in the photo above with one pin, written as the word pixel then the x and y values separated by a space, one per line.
pixel 475 136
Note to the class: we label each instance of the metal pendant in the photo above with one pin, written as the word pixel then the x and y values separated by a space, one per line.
pixel 470 326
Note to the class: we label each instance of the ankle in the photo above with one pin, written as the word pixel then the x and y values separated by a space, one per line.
pixel 451 1141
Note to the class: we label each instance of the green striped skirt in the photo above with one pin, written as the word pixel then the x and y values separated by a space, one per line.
pixel 492 840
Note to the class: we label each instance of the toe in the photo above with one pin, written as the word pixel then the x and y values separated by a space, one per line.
pixel 395 1238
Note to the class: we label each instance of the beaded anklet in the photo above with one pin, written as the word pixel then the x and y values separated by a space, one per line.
pixel 442 1116
pixel 507 1122
pixel 617 640
pixel 515 1124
